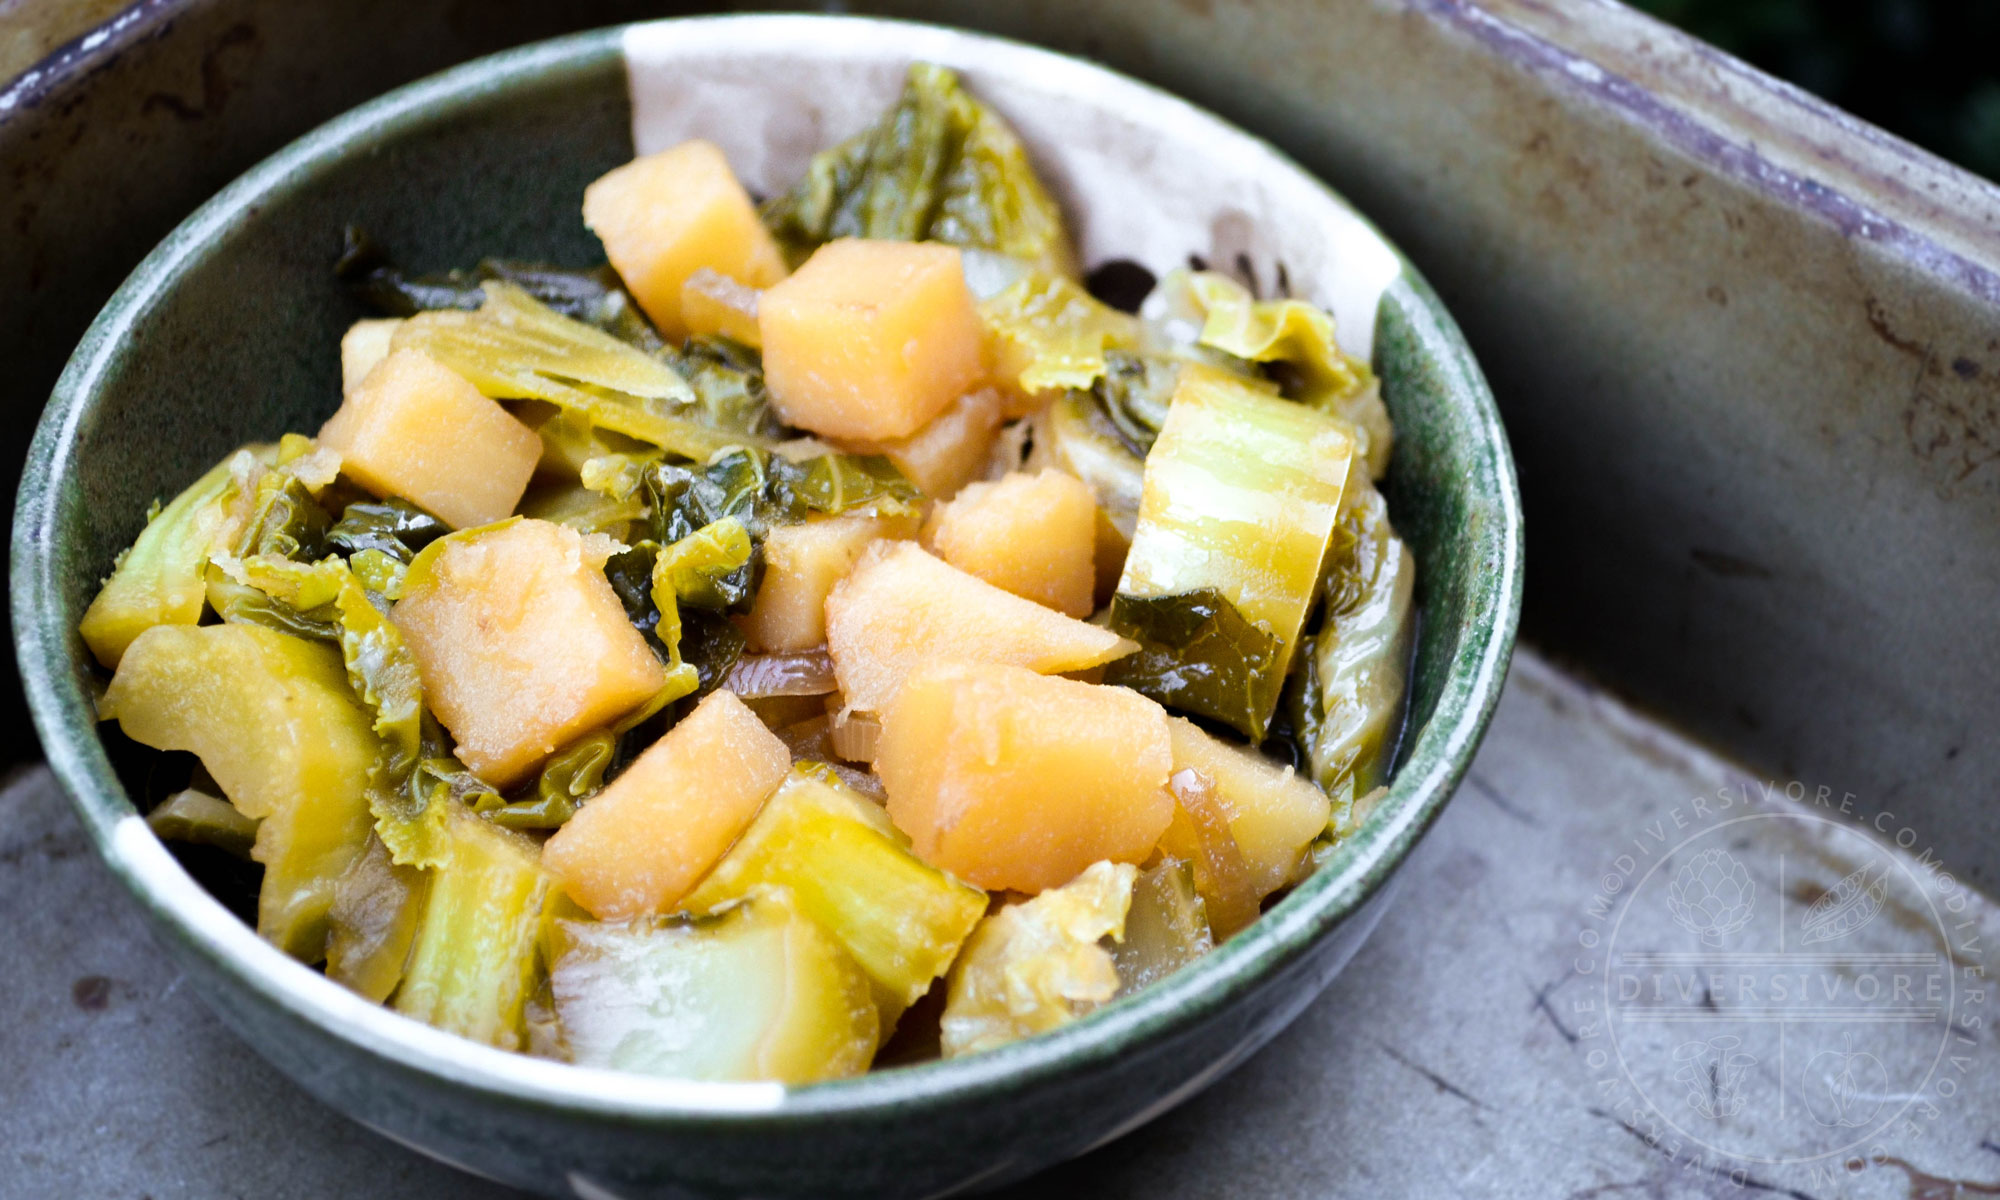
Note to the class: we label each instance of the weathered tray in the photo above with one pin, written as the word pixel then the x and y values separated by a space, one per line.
pixel 1745 347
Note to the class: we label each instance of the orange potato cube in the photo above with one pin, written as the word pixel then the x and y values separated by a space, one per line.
pixel 365 344
pixel 1273 812
pixel 1032 535
pixel 949 451
pixel 419 430
pixel 642 843
pixel 871 339
pixel 1009 779
pixel 713 303
pixel 521 644
pixel 667 215
pixel 801 565
pixel 901 608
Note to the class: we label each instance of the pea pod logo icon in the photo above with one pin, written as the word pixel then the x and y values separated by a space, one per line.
pixel 1851 904
pixel 1710 896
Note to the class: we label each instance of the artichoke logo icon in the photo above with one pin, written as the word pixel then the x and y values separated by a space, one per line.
pixel 1710 896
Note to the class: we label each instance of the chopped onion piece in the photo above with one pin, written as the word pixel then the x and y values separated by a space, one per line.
pixel 806 673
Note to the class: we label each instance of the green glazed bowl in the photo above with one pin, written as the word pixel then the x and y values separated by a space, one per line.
pixel 228 333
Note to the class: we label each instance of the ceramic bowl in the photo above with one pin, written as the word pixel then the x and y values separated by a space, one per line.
pixel 228 332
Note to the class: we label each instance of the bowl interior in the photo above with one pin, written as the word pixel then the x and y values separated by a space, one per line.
pixel 229 333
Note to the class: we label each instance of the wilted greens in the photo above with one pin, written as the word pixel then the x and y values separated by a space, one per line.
pixel 938 166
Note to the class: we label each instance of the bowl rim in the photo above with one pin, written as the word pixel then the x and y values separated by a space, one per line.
pixel 64 717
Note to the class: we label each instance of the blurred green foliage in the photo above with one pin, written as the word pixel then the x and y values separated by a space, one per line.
pixel 1928 70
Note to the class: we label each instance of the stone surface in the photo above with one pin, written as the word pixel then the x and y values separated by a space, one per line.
pixel 1440 1064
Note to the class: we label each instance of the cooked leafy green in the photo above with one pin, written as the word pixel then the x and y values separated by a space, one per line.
pixel 763 490
pixel 161 578
pixel 1198 653
pixel 1298 337
pixel 515 348
pixel 1047 332
pixel 714 568
pixel 595 296
pixel 191 815
pixel 938 166
pixel 414 775
pixel 394 527
pixel 1243 493
pixel 1077 435
pixel 1347 702
pixel 1133 392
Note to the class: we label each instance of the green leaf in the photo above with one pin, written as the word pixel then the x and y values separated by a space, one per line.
pixel 414 777
pixel 937 166
pixel 1243 494
pixel 714 568
pixel 1197 653
pixel 1346 704
pixel 515 348
pixel 394 527
pixel 595 296
pixel 1048 332
pixel 1297 336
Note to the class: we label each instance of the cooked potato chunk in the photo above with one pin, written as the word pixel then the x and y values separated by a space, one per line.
pixel 420 431
pixel 713 303
pixel 644 841
pixel 871 339
pixel 801 565
pixel 1016 780
pixel 1273 812
pixel 667 215
pixel 902 608
pixel 759 992
pixel 1032 535
pixel 362 347
pixel 273 720
pixel 521 643
pixel 949 451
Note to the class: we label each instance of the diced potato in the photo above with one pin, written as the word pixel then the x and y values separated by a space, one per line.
pixel 801 565
pixel 1038 965
pixel 162 578
pixel 1015 780
pixel 713 303
pixel 901 608
pixel 1273 812
pixel 759 992
pixel 420 431
pixel 850 870
pixel 477 951
pixel 362 348
pixel 871 339
pixel 1032 535
pixel 644 841
pixel 948 452
pixel 521 643
pixel 273 720
pixel 667 215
